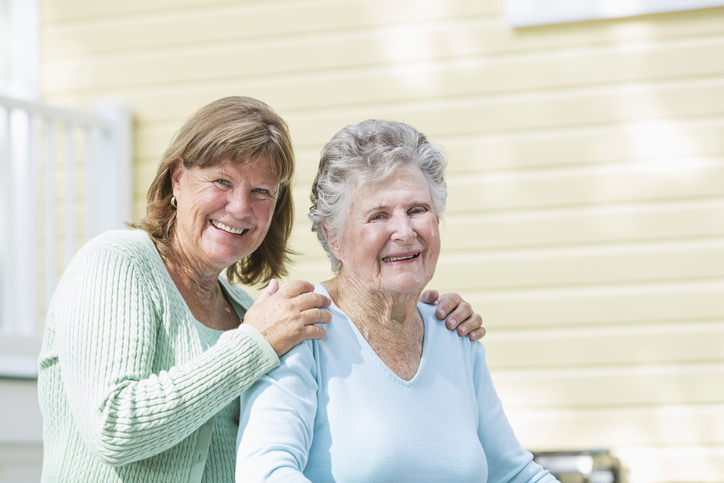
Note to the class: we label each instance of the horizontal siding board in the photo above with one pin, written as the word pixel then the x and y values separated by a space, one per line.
pixel 659 138
pixel 584 226
pixel 617 304
pixel 625 182
pixel 619 427
pixel 691 23
pixel 275 57
pixel 612 345
pixel 199 23
pixel 457 43
pixel 404 43
pixel 610 387
pixel 474 76
pixel 570 108
pixel 545 268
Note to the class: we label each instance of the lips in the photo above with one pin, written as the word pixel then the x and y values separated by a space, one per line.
pixel 400 259
pixel 228 229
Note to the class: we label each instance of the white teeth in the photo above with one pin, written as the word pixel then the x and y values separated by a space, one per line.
pixel 397 259
pixel 221 226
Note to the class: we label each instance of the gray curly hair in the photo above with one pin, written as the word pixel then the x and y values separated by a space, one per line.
pixel 363 154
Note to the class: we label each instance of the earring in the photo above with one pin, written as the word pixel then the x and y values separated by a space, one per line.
pixel 173 201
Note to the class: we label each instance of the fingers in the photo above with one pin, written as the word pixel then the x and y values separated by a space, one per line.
pixel 473 324
pixel 477 334
pixel 314 332
pixel 454 308
pixel 268 291
pixel 429 297
pixel 460 316
pixel 316 316
pixel 286 317
pixel 296 287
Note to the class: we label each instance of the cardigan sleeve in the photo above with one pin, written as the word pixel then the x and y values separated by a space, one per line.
pixel 277 421
pixel 508 462
pixel 106 330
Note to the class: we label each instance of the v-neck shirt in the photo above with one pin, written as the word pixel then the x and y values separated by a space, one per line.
pixel 334 411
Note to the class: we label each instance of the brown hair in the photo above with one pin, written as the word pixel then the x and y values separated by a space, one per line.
pixel 240 130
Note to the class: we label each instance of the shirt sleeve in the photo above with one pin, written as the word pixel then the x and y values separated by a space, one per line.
pixel 508 462
pixel 106 325
pixel 277 420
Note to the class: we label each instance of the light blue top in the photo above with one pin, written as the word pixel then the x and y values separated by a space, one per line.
pixel 333 411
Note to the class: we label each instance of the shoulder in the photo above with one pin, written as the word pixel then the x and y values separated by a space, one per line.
pixel 131 244
pixel 119 254
pixel 438 331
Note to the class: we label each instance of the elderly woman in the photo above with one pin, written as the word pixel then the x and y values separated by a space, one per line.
pixel 145 353
pixel 372 401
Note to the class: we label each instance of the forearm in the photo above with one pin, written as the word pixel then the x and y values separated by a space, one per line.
pixel 140 418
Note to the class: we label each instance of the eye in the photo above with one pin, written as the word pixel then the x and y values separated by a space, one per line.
pixel 223 182
pixel 377 217
pixel 263 193
pixel 418 210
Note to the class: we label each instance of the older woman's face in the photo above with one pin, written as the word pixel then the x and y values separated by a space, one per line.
pixel 224 211
pixel 391 241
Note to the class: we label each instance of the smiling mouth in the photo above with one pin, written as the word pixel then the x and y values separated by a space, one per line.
pixel 399 259
pixel 228 229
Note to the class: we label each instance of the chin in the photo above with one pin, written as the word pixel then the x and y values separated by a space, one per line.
pixel 406 288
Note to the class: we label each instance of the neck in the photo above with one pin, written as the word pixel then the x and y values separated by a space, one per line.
pixel 390 323
pixel 202 293
pixel 369 307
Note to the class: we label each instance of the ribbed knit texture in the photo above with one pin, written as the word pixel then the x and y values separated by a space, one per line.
pixel 128 378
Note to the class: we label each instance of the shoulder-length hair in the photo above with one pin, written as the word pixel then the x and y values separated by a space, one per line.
pixel 240 130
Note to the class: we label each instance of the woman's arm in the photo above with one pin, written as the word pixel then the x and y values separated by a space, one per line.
pixel 277 421
pixel 508 462
pixel 107 321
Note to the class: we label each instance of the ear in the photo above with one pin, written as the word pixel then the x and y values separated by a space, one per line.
pixel 177 170
pixel 332 243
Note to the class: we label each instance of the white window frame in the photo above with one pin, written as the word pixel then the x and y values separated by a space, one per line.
pixel 529 13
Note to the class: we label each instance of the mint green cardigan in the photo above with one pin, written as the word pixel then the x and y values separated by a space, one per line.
pixel 132 388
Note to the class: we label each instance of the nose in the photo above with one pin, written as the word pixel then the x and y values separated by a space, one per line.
pixel 402 230
pixel 239 203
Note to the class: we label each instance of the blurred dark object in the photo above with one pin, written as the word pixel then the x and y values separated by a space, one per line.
pixel 593 466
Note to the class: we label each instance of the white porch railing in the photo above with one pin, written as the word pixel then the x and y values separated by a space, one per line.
pixel 65 176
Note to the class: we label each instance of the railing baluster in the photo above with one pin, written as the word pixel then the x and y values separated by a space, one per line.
pixel 6 176
pixel 69 217
pixel 27 229
pixel 92 191
pixel 50 226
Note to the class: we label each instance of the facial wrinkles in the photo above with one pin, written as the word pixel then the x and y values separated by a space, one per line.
pixel 233 205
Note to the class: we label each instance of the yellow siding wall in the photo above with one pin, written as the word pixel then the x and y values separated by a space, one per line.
pixel 586 207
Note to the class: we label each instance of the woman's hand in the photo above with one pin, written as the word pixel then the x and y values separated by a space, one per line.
pixel 286 316
pixel 459 313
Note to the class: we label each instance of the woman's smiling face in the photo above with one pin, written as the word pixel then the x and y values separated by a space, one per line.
pixel 223 212
pixel 391 240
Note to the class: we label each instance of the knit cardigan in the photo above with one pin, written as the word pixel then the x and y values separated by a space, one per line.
pixel 131 387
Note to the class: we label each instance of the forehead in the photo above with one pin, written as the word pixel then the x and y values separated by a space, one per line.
pixel 243 167
pixel 406 184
